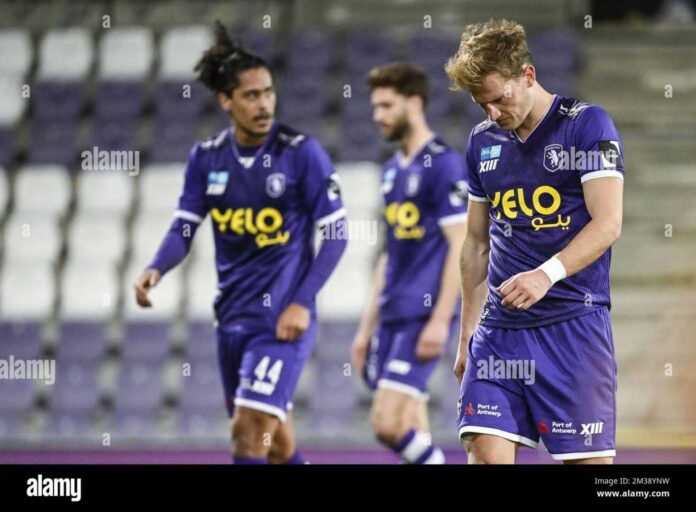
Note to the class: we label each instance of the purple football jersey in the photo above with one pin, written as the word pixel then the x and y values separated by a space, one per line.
pixel 534 189
pixel 265 210
pixel 420 199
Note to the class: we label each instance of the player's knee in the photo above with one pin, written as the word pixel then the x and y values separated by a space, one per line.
pixel 479 451
pixel 249 437
pixel 388 428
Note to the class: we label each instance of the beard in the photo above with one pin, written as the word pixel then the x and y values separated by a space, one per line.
pixel 399 130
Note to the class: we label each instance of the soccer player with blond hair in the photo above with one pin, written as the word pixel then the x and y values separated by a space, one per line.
pixel 545 183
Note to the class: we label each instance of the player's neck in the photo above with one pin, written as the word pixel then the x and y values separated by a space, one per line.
pixel 542 103
pixel 244 138
pixel 417 137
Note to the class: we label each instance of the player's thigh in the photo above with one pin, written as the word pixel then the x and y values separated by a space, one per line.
pixel 392 408
pixel 489 449
pixel 252 428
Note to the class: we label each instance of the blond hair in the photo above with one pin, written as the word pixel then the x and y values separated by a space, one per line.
pixel 486 48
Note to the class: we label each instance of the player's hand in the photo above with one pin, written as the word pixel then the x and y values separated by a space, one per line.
pixel 462 355
pixel 523 290
pixel 432 339
pixel 359 350
pixel 292 322
pixel 460 362
pixel 145 282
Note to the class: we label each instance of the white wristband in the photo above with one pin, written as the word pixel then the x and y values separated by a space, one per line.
pixel 554 269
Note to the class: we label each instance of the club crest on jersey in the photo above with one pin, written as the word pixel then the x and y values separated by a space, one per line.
pixel 412 184
pixel 388 180
pixel 552 157
pixel 489 158
pixel 275 184
pixel 217 182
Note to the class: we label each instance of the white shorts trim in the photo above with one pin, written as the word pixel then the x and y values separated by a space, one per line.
pixel 260 406
pixel 403 388
pixel 183 214
pixel 496 432
pixel 456 218
pixel 583 455
pixel 478 199
pixel 332 217
pixel 601 174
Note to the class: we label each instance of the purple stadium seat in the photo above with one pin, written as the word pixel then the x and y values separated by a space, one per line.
pixel 139 388
pixel 134 424
pixel 311 50
pixel 118 100
pixel 81 342
pixel 10 425
pixel 8 151
pixel 366 50
pixel 23 340
pixel 53 140
pixel 146 342
pixel 203 388
pixel 172 140
pixel 71 424
pixel 259 42
pixel 181 101
pixel 116 134
pixel 16 396
pixel 56 100
pixel 201 343
pixel 76 389
pixel 203 423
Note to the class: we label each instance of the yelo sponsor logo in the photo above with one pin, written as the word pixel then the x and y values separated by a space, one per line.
pixel 513 201
pixel 404 218
pixel 261 224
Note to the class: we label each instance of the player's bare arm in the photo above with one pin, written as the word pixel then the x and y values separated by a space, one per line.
pixel 474 270
pixel 432 339
pixel 368 323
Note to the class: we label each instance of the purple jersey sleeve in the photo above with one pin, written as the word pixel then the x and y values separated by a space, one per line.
pixel 450 189
pixel 322 267
pixel 320 186
pixel 192 202
pixel 175 246
pixel 474 186
pixel 598 138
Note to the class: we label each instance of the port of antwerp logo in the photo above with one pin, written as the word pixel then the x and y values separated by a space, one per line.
pixel 552 157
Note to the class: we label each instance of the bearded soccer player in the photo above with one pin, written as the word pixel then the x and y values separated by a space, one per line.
pixel 266 187
pixel 545 179
pixel 410 314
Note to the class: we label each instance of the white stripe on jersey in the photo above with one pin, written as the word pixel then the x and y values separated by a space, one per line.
pixel 601 174
pixel 183 214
